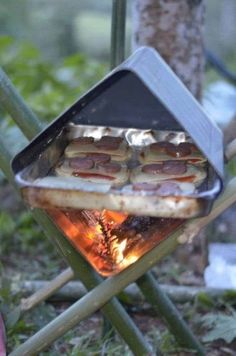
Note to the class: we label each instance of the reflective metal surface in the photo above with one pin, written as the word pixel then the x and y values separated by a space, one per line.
pixel 41 188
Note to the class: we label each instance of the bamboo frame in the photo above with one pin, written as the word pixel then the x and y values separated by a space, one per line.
pixel 230 150
pixel 30 126
pixel 75 262
pixel 118 32
pixel 82 270
pixel 163 306
pixel 113 285
pixel 48 290
pixel 11 101
pixel 44 220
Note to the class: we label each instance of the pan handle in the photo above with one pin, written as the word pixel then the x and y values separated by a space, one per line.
pixel 230 150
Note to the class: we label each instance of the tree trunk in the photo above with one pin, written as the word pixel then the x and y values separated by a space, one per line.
pixel 175 29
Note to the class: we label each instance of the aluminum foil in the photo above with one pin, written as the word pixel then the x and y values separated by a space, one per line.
pixel 41 188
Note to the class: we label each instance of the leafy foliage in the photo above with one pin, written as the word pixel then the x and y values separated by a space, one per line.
pixel 47 87
pixel 220 326
pixel 11 314
pixel 205 300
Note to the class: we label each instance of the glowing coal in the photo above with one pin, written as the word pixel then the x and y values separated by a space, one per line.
pixel 110 240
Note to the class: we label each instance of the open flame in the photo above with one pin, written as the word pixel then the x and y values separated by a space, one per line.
pixel 91 232
pixel 118 250
pixel 110 240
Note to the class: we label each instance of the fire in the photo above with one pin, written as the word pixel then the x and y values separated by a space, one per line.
pixel 115 216
pixel 131 259
pixel 110 240
pixel 118 250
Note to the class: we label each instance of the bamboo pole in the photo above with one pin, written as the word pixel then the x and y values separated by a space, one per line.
pixel 47 290
pixel 230 150
pixel 5 159
pixel 43 219
pixel 118 32
pixel 11 101
pixel 113 285
pixel 82 270
pixel 164 307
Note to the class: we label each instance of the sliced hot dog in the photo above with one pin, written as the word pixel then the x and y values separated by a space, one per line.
pixel 81 164
pixel 111 146
pixel 99 157
pixel 161 151
pixel 178 151
pixel 110 167
pixel 111 139
pixel 86 140
pixel 188 145
pixel 161 146
pixel 153 168
pixel 145 186
pixel 174 167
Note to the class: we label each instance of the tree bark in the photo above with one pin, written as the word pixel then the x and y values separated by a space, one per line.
pixel 175 29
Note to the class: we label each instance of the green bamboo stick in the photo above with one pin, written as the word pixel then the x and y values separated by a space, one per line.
pixel 48 290
pixel 67 250
pixel 5 159
pixel 11 101
pixel 164 307
pixel 118 32
pixel 117 46
pixel 30 126
pixel 112 310
pixel 113 285
pixel 82 270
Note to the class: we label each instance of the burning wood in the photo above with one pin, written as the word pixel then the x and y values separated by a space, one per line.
pixel 111 240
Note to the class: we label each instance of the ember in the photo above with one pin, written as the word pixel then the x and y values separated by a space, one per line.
pixel 110 240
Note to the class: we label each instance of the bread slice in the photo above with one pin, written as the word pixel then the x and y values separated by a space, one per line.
pixel 110 172
pixel 192 174
pixel 116 147
pixel 163 151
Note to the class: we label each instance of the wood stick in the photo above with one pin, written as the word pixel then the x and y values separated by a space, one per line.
pixel 47 290
pixel 75 290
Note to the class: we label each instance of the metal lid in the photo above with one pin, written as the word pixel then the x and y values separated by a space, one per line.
pixel 159 78
pixel 143 92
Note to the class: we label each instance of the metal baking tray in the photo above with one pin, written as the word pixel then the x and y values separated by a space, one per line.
pixel 42 188
pixel 140 97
